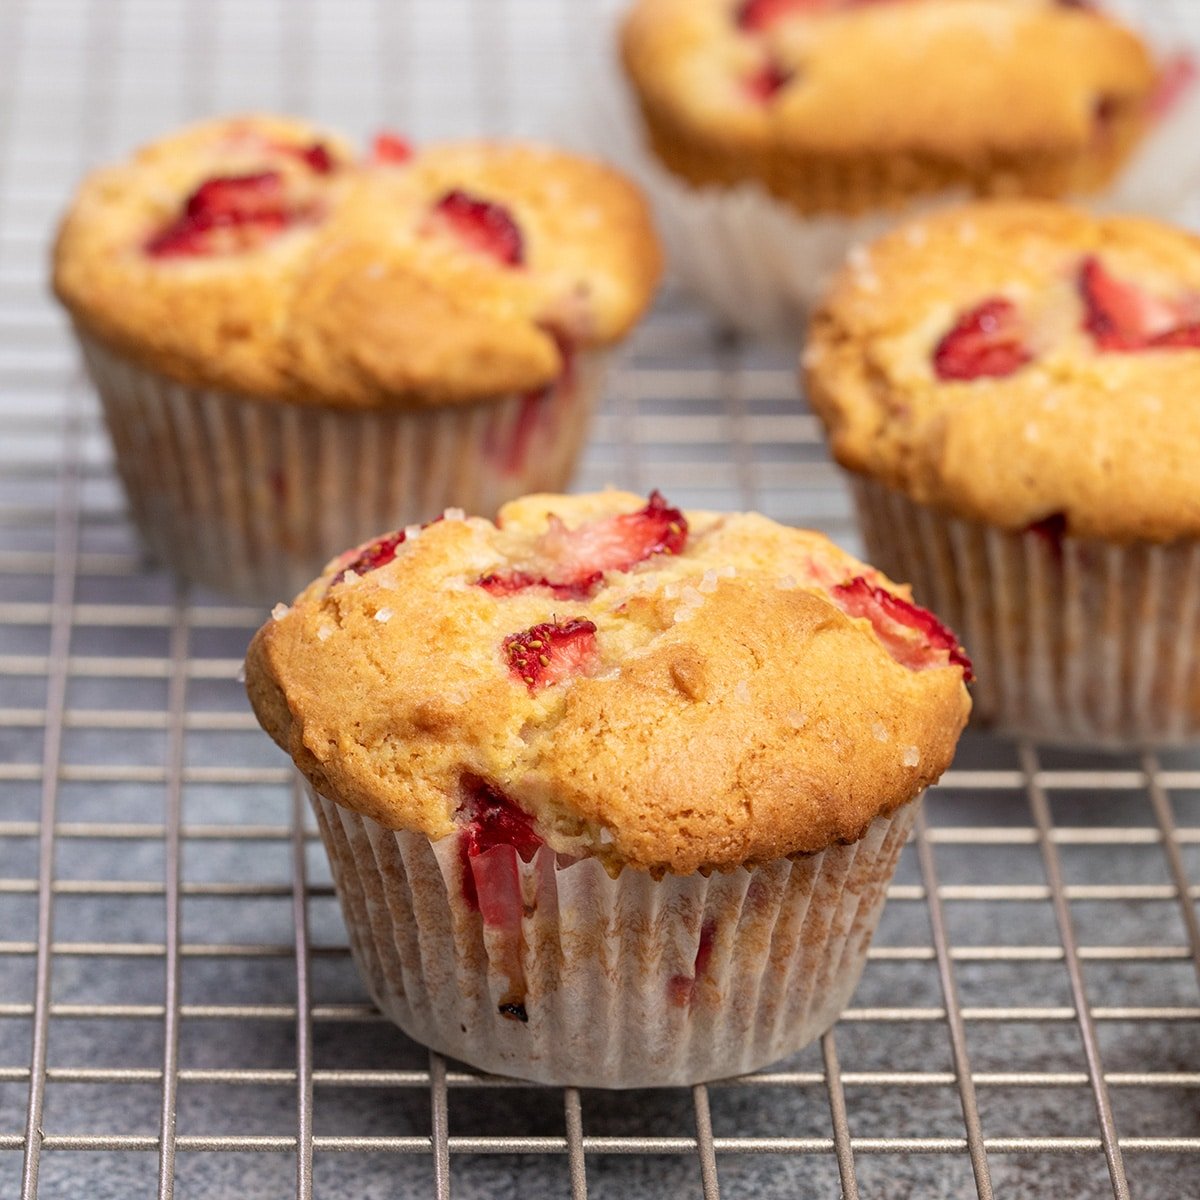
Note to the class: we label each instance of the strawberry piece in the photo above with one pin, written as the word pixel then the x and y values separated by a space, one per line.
pixel 551 652
pixel 1182 337
pixel 1176 77
pixel 490 883
pixel 317 157
pixel 376 554
pixel 483 226
pixel 372 556
pixel 254 205
pixel 1122 318
pixel 913 636
pixel 1050 531
pixel 986 343
pixel 681 989
pixel 766 82
pixel 237 198
pixel 756 15
pixel 533 406
pixel 509 583
pixel 391 148
pixel 582 555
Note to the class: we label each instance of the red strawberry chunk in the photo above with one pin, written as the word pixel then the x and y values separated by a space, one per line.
pixel 576 559
pixel 757 15
pixel 391 148
pixel 913 636
pixel 509 583
pixel 1122 317
pixel 234 199
pixel 1182 337
pixel 482 226
pixel 551 652
pixel 681 989
pixel 317 157
pixel 493 820
pixel 765 83
pixel 581 556
pixel 255 204
pixel 372 556
pixel 1176 77
pixel 988 342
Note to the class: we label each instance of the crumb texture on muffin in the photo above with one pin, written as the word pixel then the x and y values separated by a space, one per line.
pixel 262 256
pixel 843 105
pixel 668 690
pixel 1016 363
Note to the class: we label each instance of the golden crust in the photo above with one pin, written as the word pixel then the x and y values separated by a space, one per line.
pixel 369 304
pixel 891 100
pixel 1110 440
pixel 735 714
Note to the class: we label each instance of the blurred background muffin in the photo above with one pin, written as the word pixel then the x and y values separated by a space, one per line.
pixel 296 347
pixel 781 132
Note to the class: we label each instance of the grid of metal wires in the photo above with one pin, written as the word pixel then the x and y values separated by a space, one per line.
pixel 178 1012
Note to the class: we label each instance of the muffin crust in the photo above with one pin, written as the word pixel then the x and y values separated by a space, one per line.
pixel 367 294
pixel 724 710
pixel 1084 414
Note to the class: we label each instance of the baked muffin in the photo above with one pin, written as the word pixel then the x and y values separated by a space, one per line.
pixel 297 347
pixel 1013 388
pixel 612 792
pixel 840 109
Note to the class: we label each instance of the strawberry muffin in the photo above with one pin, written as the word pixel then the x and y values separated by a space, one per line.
pixel 1013 387
pixel 612 792
pixel 788 129
pixel 297 346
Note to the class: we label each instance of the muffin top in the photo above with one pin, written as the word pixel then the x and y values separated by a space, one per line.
pixel 263 256
pixel 942 79
pixel 1019 362
pixel 671 691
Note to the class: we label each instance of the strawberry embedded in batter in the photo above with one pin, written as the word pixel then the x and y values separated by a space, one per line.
pixel 482 226
pixel 753 16
pixel 229 213
pixel 1124 318
pixel 681 989
pixel 494 834
pixel 391 148
pixel 371 557
pixel 551 653
pixel 767 82
pixel 913 636
pixel 987 342
pixel 573 562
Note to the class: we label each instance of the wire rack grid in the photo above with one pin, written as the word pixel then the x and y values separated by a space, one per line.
pixel 178 1012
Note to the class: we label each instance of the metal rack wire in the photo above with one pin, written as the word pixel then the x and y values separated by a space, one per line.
pixel 178 1014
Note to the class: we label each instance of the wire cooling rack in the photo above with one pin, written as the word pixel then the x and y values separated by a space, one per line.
pixel 178 1011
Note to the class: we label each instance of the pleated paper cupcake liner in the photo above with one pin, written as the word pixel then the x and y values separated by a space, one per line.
pixel 1075 641
pixel 571 977
pixel 253 498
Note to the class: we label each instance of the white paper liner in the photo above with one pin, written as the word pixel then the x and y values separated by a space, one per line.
pixel 253 498
pixel 1074 641
pixel 603 967
pixel 763 267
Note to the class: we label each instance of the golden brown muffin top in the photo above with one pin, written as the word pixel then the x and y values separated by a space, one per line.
pixel 262 256
pixel 672 691
pixel 957 80
pixel 1019 362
